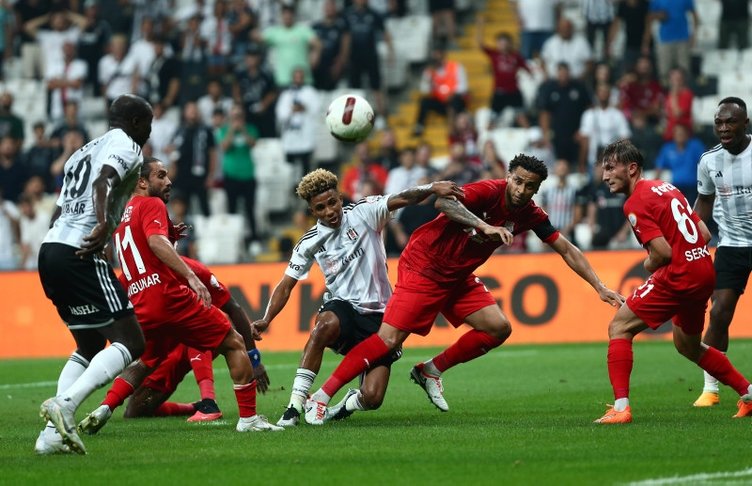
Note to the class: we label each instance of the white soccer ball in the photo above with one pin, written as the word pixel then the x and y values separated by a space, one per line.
pixel 350 118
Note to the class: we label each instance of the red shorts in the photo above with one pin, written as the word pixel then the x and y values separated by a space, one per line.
pixel 655 302
pixel 204 329
pixel 170 371
pixel 417 300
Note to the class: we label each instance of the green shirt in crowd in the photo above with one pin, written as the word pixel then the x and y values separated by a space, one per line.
pixel 237 161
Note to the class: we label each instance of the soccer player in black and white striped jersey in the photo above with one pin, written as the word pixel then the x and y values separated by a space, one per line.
pixel 348 246
pixel 724 184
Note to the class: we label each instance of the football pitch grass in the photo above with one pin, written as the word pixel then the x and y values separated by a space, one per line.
pixel 520 415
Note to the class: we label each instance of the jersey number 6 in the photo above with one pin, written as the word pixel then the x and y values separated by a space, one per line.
pixel 684 222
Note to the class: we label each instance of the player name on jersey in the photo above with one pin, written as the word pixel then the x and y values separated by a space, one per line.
pixel 143 283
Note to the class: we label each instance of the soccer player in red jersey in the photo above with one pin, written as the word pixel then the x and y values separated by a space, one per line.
pixel 681 282
pixel 435 275
pixel 169 311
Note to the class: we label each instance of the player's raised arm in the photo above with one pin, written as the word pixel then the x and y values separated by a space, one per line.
pixel 416 194
pixel 280 296
pixel 457 212
pixel 102 187
pixel 577 262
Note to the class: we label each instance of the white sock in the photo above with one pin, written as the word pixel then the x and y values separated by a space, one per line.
pixel 320 396
pixel 430 369
pixel 749 390
pixel 301 385
pixel 621 404
pixel 104 367
pixel 711 384
pixel 74 367
pixel 353 403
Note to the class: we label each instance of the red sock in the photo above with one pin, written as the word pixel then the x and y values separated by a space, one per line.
pixel 718 365
pixel 118 392
pixel 469 346
pixel 620 366
pixel 170 409
pixel 201 362
pixel 355 362
pixel 246 397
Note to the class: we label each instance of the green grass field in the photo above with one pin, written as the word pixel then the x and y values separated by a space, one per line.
pixel 520 415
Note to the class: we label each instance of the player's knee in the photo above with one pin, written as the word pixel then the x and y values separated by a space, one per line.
pixel 720 317
pixel 326 330
pixel 371 397
pixel 691 351
pixel 501 330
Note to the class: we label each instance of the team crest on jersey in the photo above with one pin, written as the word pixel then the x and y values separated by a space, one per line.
pixel 632 219
pixel 352 234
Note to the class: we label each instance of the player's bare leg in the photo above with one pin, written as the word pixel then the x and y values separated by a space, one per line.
pixel 241 373
pixel 490 329
pixel 370 396
pixel 325 332
pixel 621 333
pixel 104 364
pixel 717 364
pixel 721 314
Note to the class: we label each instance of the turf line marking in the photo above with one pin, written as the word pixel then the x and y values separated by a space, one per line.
pixel 35 384
pixel 744 473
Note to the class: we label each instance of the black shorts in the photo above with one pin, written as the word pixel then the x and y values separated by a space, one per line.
pixel 366 64
pixel 355 328
pixel 85 290
pixel 732 267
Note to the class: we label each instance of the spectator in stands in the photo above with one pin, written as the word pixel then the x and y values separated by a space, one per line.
pixel 493 166
pixel 675 38
pixel 407 220
pixel 215 29
pixel 51 31
pixel 71 141
pixel 632 14
pixel 443 88
pixel 599 15
pixel 460 168
pixel 406 175
pixel 334 34
pixel 11 125
pixel 559 199
pixel 9 216
pixel 213 99
pixel 641 92
pixel 161 78
pixel 44 201
pixel 6 36
pixel 602 74
pixel 561 103
pixel 242 21
pixel 678 103
pixel 255 88
pixel 293 45
pixel 567 47
pixel 387 154
pixel 194 157
pixel 505 63
pixel 362 171
pixel 647 137
pixel 537 22
pixel 70 123
pixel 117 73
pixel 179 214
pixel 605 215
pixel 463 131
pixel 237 138
pixel 38 158
pixel 121 16
pixel 193 61
pixel 93 41
pixel 423 154
pixel 443 18
pixel 142 48
pixel 366 26
pixel 33 227
pixel 31 64
pixel 13 173
pixel 163 130
pixel 65 81
pixel 601 125
pixel 298 115
pixel 734 24
pixel 681 156
pixel 538 145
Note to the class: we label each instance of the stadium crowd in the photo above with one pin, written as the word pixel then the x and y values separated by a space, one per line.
pixel 223 74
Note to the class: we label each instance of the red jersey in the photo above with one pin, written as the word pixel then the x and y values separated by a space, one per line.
pixel 505 67
pixel 443 249
pixel 157 293
pixel 657 208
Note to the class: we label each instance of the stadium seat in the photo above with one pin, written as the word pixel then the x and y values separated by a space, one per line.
pixel 394 71
pixel 219 238
pixel 704 108
pixel 411 36
pixel 719 61
pixel 509 141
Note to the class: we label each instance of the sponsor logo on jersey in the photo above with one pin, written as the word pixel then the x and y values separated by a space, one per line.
pixel 663 188
pixel 127 214
pixel 82 310
pixel 119 160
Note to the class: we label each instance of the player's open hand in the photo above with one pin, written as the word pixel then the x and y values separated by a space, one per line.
pixel 95 241
pixel 200 289
pixel 447 189
pixel 262 379
pixel 180 231
pixel 497 233
pixel 612 298
pixel 257 327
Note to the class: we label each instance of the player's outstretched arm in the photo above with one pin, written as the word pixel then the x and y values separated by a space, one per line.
pixel 577 262
pixel 163 249
pixel 457 212
pixel 102 186
pixel 416 194
pixel 280 296
pixel 659 254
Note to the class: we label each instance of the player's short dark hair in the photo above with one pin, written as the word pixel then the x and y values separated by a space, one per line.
pixel 317 182
pixel 623 152
pixel 733 100
pixel 530 164
pixel 128 106
pixel 146 166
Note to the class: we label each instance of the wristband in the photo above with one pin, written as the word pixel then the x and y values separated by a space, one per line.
pixel 255 356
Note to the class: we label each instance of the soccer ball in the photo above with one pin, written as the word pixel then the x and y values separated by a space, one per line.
pixel 350 118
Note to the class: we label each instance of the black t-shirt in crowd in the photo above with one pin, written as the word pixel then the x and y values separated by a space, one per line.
pixel 634 22
pixel 365 26
pixel 330 36
pixel 566 103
